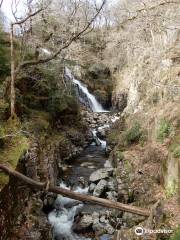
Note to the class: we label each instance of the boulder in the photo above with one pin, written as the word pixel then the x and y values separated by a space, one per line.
pixel 85 222
pixel 112 195
pixel 92 187
pixel 100 188
pixel 101 133
pixel 112 184
pixel 101 173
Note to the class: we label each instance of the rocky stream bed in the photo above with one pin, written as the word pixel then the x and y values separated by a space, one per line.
pixel 89 173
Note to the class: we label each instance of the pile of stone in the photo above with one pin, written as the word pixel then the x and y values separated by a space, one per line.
pixel 103 184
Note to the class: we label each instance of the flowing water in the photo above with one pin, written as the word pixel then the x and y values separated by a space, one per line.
pixel 62 217
pixel 85 96
pixel 92 158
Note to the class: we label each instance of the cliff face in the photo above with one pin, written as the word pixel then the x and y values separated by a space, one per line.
pixel 144 54
pixel 21 207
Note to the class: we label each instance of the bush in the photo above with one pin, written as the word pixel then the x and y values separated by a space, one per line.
pixel 4 52
pixel 134 134
pixel 176 236
pixel 164 130
pixel 176 152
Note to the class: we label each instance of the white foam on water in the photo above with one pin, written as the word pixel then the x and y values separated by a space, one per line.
pixel 62 219
pixel 114 119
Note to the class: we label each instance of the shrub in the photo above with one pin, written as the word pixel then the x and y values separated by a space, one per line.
pixel 134 134
pixel 164 130
pixel 176 152
pixel 176 235
pixel 4 51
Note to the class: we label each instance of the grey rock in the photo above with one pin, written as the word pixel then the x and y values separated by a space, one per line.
pixel 85 222
pixel 100 188
pixel 112 195
pixel 101 173
pixel 92 187
pixel 112 185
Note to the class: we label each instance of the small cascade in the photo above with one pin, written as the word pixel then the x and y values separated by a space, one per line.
pixel 62 217
pixel 85 96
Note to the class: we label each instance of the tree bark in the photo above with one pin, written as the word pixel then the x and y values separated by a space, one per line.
pixel 12 94
pixel 77 196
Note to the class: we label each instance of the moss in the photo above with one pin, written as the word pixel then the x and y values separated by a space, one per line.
pixel 4 52
pixel 113 137
pixel 176 152
pixel 176 235
pixel 120 155
pixel 127 166
pixel 175 146
pixel 39 123
pixel 163 130
pixel 13 148
pixel 171 189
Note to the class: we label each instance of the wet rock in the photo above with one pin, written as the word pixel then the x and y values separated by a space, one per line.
pixel 92 187
pixel 111 195
pixel 48 204
pixel 101 173
pixel 101 133
pixel 100 188
pixel 109 229
pixel 112 184
pixel 85 222
pixel 106 237
pixel 108 164
pixel 103 219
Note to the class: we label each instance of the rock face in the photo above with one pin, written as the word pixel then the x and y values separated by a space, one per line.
pixel 22 218
pixel 142 62
pixel 119 100
pixel 23 215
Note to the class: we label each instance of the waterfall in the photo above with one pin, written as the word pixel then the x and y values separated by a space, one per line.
pixel 84 95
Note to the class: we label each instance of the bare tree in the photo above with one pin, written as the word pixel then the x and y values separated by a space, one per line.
pixel 1 2
pixel 75 11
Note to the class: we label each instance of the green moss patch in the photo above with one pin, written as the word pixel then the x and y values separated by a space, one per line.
pixel 164 130
pixel 176 235
pixel 13 147
pixel 134 134
pixel 175 146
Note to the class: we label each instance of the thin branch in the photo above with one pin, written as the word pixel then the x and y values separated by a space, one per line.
pixel 1 2
pixel 74 38
pixel 28 17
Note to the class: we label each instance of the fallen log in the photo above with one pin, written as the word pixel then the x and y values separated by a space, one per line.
pixel 77 196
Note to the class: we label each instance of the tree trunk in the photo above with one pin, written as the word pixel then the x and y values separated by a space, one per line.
pixel 74 195
pixel 12 93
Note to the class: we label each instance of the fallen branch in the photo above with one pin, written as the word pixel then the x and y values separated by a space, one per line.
pixel 77 196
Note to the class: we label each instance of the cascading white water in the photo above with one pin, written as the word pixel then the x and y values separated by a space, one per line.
pixel 94 104
pixel 62 218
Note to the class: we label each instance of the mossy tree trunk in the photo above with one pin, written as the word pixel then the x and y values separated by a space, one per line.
pixel 12 94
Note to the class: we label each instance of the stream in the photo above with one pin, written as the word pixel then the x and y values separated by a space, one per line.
pixel 76 177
